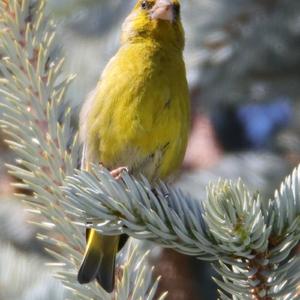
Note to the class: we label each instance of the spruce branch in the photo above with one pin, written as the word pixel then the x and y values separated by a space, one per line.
pixel 37 119
pixel 163 215
pixel 23 279
pixel 136 268
pixel 236 230
pixel 256 267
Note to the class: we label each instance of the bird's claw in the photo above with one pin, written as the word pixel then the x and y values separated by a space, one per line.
pixel 117 173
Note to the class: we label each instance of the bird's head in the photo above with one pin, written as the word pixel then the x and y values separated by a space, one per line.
pixel 155 20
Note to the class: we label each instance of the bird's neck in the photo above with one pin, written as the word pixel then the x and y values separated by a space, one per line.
pixel 154 45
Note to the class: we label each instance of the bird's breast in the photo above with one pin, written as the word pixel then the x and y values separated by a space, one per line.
pixel 140 115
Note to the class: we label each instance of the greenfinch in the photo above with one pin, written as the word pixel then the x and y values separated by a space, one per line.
pixel 138 116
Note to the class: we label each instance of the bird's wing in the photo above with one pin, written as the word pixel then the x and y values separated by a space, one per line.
pixel 87 156
pixel 85 160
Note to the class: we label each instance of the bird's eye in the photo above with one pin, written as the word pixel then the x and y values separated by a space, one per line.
pixel 145 4
pixel 176 9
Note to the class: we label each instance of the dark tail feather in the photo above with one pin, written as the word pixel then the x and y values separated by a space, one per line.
pixel 108 266
pixel 99 260
pixel 106 274
pixel 92 258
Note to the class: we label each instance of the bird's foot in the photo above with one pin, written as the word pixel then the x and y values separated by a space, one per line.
pixel 117 173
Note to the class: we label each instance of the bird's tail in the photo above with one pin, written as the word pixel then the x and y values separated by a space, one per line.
pixel 99 260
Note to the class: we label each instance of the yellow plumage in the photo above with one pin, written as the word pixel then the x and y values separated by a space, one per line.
pixel 138 115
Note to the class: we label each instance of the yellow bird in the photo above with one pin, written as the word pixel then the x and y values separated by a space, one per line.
pixel 138 116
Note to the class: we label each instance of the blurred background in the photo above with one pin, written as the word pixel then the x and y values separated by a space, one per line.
pixel 243 64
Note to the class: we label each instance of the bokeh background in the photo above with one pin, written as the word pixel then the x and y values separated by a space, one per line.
pixel 243 65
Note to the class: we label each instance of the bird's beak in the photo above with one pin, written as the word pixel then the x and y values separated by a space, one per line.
pixel 163 10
